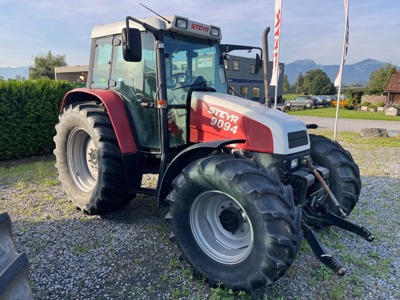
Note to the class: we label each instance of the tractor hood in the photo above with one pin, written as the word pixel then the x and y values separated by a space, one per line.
pixel 220 116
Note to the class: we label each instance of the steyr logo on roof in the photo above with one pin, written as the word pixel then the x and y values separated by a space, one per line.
pixel 200 27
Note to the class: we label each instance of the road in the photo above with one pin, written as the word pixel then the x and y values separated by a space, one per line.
pixel 393 127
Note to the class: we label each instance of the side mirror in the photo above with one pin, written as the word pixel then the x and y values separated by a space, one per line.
pixel 131 44
pixel 258 64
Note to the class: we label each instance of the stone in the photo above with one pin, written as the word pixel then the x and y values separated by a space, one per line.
pixel 364 108
pixel 392 111
pixel 381 109
pixel 374 132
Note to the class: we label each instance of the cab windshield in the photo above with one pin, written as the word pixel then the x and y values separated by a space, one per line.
pixel 192 62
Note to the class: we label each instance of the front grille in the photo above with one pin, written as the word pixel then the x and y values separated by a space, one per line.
pixel 297 139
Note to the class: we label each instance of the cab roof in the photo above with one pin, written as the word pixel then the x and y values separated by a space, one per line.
pixel 170 23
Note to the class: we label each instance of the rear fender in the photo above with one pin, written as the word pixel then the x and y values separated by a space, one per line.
pixel 184 158
pixel 116 111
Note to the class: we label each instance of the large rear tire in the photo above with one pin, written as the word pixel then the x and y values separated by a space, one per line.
pixel 234 221
pixel 89 160
pixel 344 175
pixel 14 266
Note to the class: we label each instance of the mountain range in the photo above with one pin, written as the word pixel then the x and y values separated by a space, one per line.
pixel 12 73
pixel 357 73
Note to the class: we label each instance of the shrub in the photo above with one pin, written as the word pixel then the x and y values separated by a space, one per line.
pixel 366 103
pixel 380 104
pixel 28 113
pixel 342 103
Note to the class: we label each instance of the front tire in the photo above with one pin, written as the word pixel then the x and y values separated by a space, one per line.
pixel 344 174
pixel 234 221
pixel 88 159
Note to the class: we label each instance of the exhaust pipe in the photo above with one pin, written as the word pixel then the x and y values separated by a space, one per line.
pixel 265 61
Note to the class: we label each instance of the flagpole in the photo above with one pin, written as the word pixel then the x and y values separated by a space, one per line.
pixel 277 33
pixel 277 60
pixel 344 52
pixel 276 89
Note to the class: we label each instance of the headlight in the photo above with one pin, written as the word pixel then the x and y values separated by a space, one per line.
pixel 181 23
pixel 214 31
pixel 294 163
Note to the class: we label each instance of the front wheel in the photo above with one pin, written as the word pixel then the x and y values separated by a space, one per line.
pixel 88 159
pixel 234 221
pixel 344 175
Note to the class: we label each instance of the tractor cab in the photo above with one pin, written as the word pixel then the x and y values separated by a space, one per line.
pixel 153 63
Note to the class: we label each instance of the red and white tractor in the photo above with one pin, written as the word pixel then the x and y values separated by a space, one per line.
pixel 243 181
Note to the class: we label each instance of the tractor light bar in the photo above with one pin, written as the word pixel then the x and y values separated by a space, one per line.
pixel 214 31
pixel 181 23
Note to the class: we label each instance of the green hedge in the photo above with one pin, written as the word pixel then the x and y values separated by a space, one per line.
pixel 28 113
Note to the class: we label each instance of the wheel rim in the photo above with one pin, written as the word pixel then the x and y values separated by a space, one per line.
pixel 221 227
pixel 82 159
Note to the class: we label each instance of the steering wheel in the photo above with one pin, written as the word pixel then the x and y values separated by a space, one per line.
pixel 179 77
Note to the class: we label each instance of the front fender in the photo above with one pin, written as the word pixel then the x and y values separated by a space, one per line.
pixel 116 111
pixel 184 158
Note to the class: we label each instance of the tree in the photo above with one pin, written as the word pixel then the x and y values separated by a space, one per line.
pixel 299 83
pixel 378 79
pixel 317 82
pixel 355 94
pixel 44 66
pixel 286 84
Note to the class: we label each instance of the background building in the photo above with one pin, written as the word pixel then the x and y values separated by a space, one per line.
pixel 243 80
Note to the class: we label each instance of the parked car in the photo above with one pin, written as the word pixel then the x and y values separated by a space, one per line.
pixel 321 100
pixel 302 101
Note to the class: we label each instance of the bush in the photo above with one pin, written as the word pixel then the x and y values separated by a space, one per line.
pixel 366 103
pixel 342 103
pixel 380 104
pixel 28 113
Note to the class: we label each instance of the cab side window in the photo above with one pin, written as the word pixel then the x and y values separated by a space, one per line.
pixel 102 63
pixel 136 82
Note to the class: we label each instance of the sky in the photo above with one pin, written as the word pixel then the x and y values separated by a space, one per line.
pixel 310 29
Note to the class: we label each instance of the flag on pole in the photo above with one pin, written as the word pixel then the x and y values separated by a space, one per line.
pixel 277 34
pixel 338 79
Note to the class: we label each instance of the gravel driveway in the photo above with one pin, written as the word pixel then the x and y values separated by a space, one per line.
pixel 393 127
pixel 127 254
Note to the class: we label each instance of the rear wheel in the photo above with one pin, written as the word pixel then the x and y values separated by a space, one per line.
pixel 234 221
pixel 88 158
pixel 344 175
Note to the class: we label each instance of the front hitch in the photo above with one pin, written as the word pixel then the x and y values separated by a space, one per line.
pixel 319 213
pixel 320 252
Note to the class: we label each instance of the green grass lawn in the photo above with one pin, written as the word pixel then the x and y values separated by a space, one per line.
pixel 344 113
pixel 354 138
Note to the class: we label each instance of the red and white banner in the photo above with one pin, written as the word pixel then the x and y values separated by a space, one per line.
pixel 277 34
pixel 338 79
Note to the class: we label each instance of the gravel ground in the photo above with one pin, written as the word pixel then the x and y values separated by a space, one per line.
pixel 127 254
